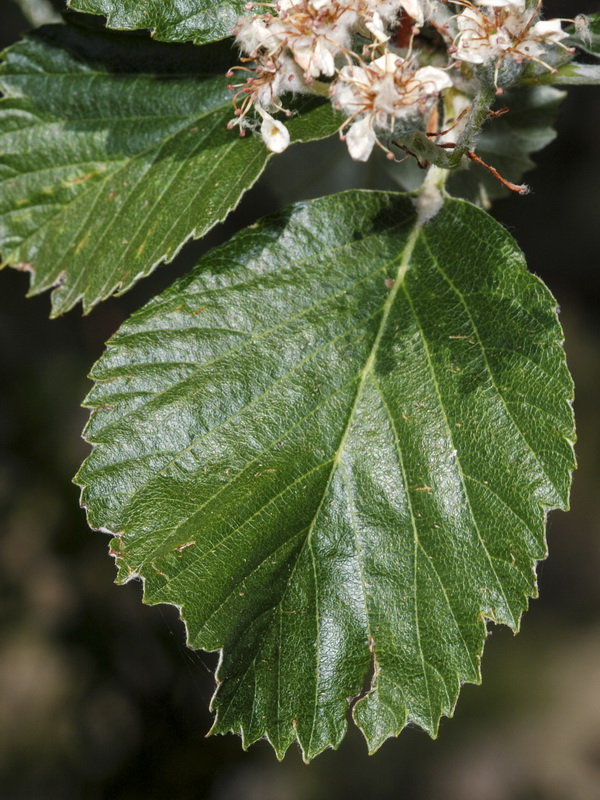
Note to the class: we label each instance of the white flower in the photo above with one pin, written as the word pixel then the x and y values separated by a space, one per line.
pixel 432 79
pixel 513 5
pixel 549 30
pixel 533 43
pixel 312 5
pixel 361 139
pixel 287 5
pixel 375 26
pixel 274 133
pixel 315 32
pixel 315 56
pixel 272 77
pixel 415 9
pixel 286 77
pixel 389 10
pixel 253 34
pixel 386 96
pixel 479 41
pixel 504 29
pixel 388 64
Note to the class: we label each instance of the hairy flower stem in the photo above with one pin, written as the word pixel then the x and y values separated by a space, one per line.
pixel 436 177
pixel 475 121
pixel 429 198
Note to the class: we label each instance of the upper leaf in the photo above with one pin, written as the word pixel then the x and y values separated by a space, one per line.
pixel 105 170
pixel 333 446
pixel 197 21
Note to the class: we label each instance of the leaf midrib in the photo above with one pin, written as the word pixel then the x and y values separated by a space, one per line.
pixel 403 260
pixel 404 263
pixel 123 338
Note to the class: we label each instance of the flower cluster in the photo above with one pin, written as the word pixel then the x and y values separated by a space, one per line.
pixel 504 29
pixel 383 63
pixel 387 95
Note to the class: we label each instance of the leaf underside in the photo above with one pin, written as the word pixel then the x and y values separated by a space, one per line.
pixel 333 446
pixel 106 171
pixel 198 21
pixel 572 74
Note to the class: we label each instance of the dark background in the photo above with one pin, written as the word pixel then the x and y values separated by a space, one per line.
pixel 100 698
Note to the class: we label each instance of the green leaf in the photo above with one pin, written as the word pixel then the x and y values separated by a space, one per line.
pixel 333 446
pixel 105 171
pixel 588 40
pixel 507 142
pixel 571 75
pixel 197 21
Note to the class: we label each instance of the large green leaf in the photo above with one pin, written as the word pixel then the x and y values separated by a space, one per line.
pixel 333 446
pixel 197 21
pixel 106 171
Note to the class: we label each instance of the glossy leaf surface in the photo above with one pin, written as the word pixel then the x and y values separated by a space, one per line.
pixel 106 170
pixel 197 21
pixel 333 445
